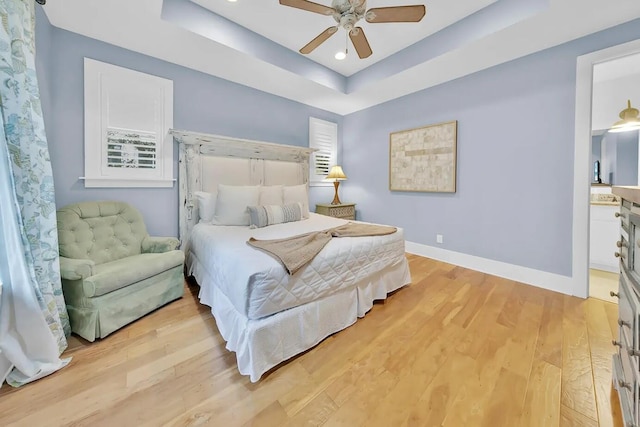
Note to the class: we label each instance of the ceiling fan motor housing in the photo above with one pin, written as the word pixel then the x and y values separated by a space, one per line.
pixel 348 21
pixel 348 12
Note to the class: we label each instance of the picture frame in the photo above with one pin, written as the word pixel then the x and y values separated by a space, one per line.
pixel 424 159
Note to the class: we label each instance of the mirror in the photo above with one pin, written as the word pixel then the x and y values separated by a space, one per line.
pixel 618 157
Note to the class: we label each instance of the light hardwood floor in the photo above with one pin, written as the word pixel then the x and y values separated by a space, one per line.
pixel 456 348
pixel 601 283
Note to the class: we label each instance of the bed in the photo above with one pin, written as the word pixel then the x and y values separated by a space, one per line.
pixel 265 315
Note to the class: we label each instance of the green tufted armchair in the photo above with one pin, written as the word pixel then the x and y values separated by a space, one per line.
pixel 112 271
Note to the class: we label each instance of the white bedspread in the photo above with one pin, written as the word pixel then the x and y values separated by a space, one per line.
pixel 257 285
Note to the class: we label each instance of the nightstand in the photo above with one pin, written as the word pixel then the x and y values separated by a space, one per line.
pixel 343 210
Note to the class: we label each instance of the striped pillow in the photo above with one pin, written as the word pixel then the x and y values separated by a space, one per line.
pixel 261 216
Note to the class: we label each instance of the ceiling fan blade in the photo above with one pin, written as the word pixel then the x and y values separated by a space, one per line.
pixel 413 13
pixel 322 37
pixel 360 42
pixel 308 5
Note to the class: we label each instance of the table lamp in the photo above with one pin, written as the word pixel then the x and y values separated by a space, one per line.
pixel 338 175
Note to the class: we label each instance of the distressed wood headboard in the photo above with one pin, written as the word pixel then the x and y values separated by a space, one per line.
pixel 208 160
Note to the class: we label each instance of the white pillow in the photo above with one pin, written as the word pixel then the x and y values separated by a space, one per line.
pixel 297 194
pixel 232 202
pixel 271 195
pixel 206 205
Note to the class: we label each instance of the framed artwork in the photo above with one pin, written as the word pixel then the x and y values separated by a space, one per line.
pixel 424 159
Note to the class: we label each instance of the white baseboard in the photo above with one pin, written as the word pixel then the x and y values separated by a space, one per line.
pixel 605 267
pixel 541 279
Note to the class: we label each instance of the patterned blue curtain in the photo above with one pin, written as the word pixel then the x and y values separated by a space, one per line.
pixel 30 165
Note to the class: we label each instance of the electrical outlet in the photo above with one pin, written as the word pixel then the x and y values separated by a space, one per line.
pixel 439 238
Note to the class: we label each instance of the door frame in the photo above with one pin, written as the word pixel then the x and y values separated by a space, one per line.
pixel 582 163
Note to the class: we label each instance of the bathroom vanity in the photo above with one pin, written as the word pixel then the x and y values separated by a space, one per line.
pixel 603 228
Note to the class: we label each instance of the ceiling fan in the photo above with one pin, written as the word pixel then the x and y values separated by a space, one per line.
pixel 348 12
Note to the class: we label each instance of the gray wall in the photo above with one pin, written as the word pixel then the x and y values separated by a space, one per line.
pixel 515 146
pixel 515 158
pixel 609 158
pixel 201 103
pixel 626 158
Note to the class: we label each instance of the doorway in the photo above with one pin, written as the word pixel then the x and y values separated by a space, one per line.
pixel 614 159
pixel 583 166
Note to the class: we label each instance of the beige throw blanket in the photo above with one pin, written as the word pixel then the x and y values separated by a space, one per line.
pixel 296 251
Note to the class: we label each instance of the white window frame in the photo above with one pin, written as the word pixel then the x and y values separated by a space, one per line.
pixel 323 136
pixel 100 96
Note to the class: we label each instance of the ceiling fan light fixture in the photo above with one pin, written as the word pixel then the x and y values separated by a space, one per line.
pixel 629 120
pixel 342 54
pixel 347 13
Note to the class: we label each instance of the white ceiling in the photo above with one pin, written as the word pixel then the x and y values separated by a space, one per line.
pixel 138 26
pixel 618 68
pixel 294 28
pixel 614 82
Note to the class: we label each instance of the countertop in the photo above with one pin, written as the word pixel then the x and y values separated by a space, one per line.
pixel 605 199
pixel 598 203
pixel 628 193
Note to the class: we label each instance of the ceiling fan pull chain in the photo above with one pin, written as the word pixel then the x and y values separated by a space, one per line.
pixel 346 43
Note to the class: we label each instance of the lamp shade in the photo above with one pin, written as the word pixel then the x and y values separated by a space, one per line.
pixel 336 173
pixel 629 120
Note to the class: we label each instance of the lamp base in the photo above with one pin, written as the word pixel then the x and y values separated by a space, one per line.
pixel 336 199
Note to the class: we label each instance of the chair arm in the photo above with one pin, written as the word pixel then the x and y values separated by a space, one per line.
pixel 75 269
pixel 158 245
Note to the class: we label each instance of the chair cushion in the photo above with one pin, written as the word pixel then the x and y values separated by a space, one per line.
pixel 117 274
pixel 100 231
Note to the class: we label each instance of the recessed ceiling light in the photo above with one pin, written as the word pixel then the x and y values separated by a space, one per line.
pixel 340 55
pixel 232 1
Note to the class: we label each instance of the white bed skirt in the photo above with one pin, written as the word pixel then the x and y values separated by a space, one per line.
pixel 261 344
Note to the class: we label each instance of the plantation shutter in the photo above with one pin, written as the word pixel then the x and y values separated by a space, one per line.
pixel 131 149
pixel 323 136
pixel 127 118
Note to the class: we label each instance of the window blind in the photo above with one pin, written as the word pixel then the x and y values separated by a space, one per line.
pixel 323 136
pixel 131 149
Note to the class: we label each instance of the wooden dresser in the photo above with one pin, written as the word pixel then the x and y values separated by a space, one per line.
pixel 626 360
pixel 344 210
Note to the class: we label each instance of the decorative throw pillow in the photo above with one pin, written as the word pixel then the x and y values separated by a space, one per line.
pixel 271 195
pixel 232 202
pixel 261 216
pixel 206 205
pixel 297 194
